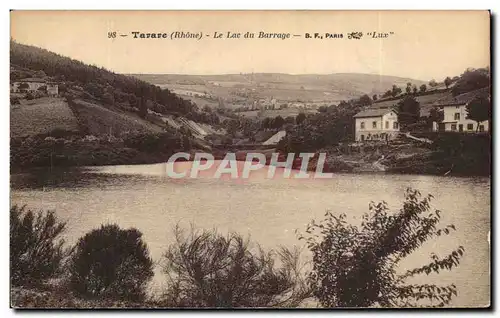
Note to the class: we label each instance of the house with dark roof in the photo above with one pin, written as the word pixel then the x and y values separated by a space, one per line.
pixel 455 112
pixel 376 124
pixel 30 85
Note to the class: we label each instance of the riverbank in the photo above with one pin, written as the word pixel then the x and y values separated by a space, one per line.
pixel 67 149
pixel 457 155
pixel 448 154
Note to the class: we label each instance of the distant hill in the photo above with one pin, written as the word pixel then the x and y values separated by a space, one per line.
pixel 334 87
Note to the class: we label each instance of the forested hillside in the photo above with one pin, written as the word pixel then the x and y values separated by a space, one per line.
pixel 107 86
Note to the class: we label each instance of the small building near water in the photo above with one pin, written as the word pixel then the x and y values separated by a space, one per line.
pixel 376 125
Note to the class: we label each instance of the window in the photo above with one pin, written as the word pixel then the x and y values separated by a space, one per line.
pixel 470 126
pixel 481 128
pixel 374 124
pixel 457 116
pixel 395 125
pixel 362 125
pixel 386 125
pixel 453 127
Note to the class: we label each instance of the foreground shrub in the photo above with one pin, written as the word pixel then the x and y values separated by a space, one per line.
pixel 15 100
pixel 356 267
pixel 36 246
pixel 207 269
pixel 111 263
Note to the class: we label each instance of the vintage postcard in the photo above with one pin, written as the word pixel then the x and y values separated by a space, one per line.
pixel 250 159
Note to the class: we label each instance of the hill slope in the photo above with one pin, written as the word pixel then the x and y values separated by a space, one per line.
pixel 111 88
pixel 340 86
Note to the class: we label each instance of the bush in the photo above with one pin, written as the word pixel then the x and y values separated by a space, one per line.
pixel 207 269
pixel 356 267
pixel 35 94
pixel 111 263
pixel 36 247
pixel 15 100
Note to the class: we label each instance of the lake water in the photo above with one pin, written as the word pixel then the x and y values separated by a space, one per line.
pixel 269 210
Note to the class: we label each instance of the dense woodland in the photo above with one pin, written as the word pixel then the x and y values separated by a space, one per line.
pixel 105 85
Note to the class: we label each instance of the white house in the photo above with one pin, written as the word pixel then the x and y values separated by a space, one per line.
pixel 455 113
pixel 30 85
pixel 376 124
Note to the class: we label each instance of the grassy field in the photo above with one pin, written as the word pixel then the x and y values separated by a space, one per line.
pixel 277 112
pixel 97 120
pixel 40 116
pixel 426 102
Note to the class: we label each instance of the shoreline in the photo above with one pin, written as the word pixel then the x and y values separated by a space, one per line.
pixel 389 171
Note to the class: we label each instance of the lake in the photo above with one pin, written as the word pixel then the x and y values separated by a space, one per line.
pixel 269 210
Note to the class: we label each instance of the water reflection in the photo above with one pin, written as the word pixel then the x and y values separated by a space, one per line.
pixel 269 210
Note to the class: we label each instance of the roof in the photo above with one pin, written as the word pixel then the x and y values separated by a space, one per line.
pixel 377 112
pixel 462 99
pixel 32 79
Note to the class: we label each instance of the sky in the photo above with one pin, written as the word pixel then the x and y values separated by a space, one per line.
pixel 424 44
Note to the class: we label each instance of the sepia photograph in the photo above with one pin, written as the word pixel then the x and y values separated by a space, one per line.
pixel 250 159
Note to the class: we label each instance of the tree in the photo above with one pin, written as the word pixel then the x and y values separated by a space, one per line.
pixel 110 262
pixel 415 90
pixel 108 98
pixel 365 100
pixel 387 93
pixel 143 107
pixel 40 74
pixel 356 266
pixel 408 88
pixel 408 110
pixel 470 80
pixel 396 91
pixel 290 120
pixel 232 126
pixel 447 81
pixel 374 97
pixel 23 86
pixel 433 83
pixel 479 110
pixel 436 115
pixel 323 109
pixel 266 123
pixel 278 122
pixel 423 88
pixel 300 118
pixel 207 269
pixel 36 245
